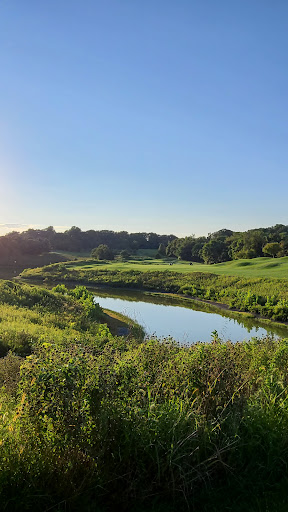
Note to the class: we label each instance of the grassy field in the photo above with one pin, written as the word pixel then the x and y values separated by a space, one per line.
pixel 257 267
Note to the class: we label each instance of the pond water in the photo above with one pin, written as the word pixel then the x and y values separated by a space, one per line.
pixel 184 320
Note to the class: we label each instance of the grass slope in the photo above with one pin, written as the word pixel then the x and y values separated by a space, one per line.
pixel 257 267
pixel 31 316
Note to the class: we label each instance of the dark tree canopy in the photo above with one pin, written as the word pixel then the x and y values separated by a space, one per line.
pixel 226 245
pixel 102 252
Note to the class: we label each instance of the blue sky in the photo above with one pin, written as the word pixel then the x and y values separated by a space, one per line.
pixel 141 115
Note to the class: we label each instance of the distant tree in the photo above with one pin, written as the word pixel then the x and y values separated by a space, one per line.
pixel 162 250
pixel 50 234
pixel 185 248
pixel 221 234
pixel 272 249
pixel 124 255
pixel 49 230
pixel 102 252
pixel 141 239
pixel 188 248
pixel 196 251
pixel 172 248
pixel 255 240
pixel 247 244
pixel 134 246
pixel 74 239
pixel 284 247
pixel 215 251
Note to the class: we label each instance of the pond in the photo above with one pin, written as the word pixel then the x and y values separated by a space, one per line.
pixel 186 321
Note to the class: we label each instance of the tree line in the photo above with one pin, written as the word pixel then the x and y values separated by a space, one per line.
pixel 217 247
pixel 38 241
pixel 225 245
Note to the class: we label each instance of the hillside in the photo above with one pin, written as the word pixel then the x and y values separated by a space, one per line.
pixel 257 267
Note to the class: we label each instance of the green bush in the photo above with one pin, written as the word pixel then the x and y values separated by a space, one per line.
pixel 133 423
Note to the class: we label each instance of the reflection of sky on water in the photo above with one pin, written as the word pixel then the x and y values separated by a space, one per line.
pixel 184 325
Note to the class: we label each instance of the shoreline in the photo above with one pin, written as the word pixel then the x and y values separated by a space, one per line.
pixel 122 325
pixel 217 305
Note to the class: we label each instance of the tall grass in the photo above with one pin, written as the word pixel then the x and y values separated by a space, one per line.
pixel 30 316
pixel 139 424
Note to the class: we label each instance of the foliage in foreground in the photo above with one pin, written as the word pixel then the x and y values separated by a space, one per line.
pixel 137 424
pixel 93 422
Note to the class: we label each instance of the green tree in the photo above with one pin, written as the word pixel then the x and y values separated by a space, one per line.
pixel 284 247
pixel 162 250
pixel 215 251
pixel 185 248
pixel 248 244
pixel 124 255
pixel 272 249
pixel 172 248
pixel 102 252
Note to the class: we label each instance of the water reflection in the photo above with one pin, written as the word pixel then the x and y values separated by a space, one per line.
pixel 185 320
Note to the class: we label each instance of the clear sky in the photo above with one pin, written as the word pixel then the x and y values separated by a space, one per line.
pixel 143 115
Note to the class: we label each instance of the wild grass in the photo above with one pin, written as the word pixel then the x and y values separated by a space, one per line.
pixel 89 421
pixel 136 425
pixel 21 329
pixel 30 316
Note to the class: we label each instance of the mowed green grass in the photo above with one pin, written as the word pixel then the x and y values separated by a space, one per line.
pixel 257 267
pixel 142 253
